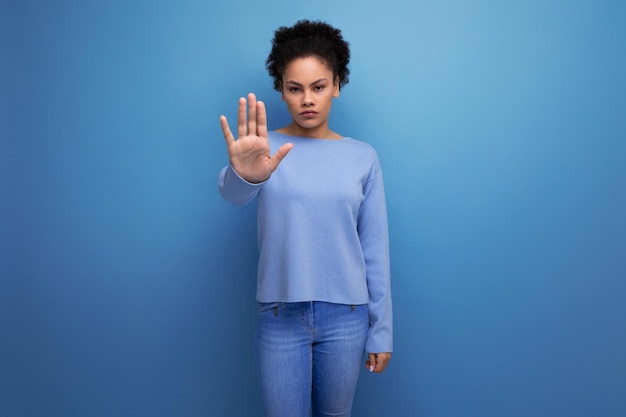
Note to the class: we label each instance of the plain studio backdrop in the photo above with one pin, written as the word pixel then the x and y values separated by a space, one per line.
pixel 127 284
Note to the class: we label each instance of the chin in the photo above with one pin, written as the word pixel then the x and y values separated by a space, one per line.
pixel 309 126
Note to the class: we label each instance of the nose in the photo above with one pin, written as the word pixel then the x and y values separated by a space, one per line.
pixel 307 99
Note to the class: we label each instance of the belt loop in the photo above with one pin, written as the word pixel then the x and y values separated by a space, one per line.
pixel 275 311
pixel 352 307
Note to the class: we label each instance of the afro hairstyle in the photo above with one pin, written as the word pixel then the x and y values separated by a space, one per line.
pixel 305 39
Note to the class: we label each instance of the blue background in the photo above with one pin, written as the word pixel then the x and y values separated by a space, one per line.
pixel 128 285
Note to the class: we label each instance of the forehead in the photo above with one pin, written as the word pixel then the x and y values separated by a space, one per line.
pixel 302 69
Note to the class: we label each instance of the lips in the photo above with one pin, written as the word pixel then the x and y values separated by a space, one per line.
pixel 308 113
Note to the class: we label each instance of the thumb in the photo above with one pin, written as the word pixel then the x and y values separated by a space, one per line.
pixel 279 155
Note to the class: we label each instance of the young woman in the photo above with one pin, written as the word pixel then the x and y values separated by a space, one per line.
pixel 323 282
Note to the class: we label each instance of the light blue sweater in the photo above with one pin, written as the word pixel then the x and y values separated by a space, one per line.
pixel 322 228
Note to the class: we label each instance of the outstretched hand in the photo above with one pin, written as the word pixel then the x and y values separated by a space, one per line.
pixel 250 154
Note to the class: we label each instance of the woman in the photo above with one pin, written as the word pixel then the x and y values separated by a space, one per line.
pixel 323 276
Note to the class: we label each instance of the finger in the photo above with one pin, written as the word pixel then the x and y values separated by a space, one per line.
pixel 252 114
pixel 261 116
pixel 382 360
pixel 377 362
pixel 241 118
pixel 228 135
pixel 370 364
pixel 279 155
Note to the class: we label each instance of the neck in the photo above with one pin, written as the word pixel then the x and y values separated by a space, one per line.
pixel 320 132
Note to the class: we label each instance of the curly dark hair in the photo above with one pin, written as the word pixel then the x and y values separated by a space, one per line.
pixel 305 39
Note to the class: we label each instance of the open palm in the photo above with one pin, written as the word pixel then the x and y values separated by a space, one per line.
pixel 250 154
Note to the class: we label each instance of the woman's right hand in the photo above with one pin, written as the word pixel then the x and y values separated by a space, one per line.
pixel 250 154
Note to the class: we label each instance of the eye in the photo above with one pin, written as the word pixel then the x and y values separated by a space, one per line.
pixel 319 88
pixel 294 89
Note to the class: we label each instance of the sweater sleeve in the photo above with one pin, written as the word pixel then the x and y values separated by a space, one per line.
pixel 374 237
pixel 235 189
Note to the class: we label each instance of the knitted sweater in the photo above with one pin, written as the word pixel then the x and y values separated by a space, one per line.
pixel 322 228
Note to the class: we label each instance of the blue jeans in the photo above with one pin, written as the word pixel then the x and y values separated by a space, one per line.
pixel 309 356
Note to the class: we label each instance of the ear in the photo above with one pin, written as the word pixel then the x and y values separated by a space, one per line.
pixel 336 89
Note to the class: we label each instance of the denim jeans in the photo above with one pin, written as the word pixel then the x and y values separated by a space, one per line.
pixel 309 356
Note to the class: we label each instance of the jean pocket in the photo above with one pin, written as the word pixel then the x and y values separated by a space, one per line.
pixel 263 307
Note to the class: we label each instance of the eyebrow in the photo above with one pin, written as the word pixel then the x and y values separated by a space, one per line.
pixel 300 85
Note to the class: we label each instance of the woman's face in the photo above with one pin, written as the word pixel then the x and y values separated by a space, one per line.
pixel 308 91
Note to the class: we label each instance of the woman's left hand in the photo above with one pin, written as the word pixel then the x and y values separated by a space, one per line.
pixel 377 362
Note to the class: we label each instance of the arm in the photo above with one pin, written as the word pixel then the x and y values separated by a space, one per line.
pixel 374 236
pixel 235 189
